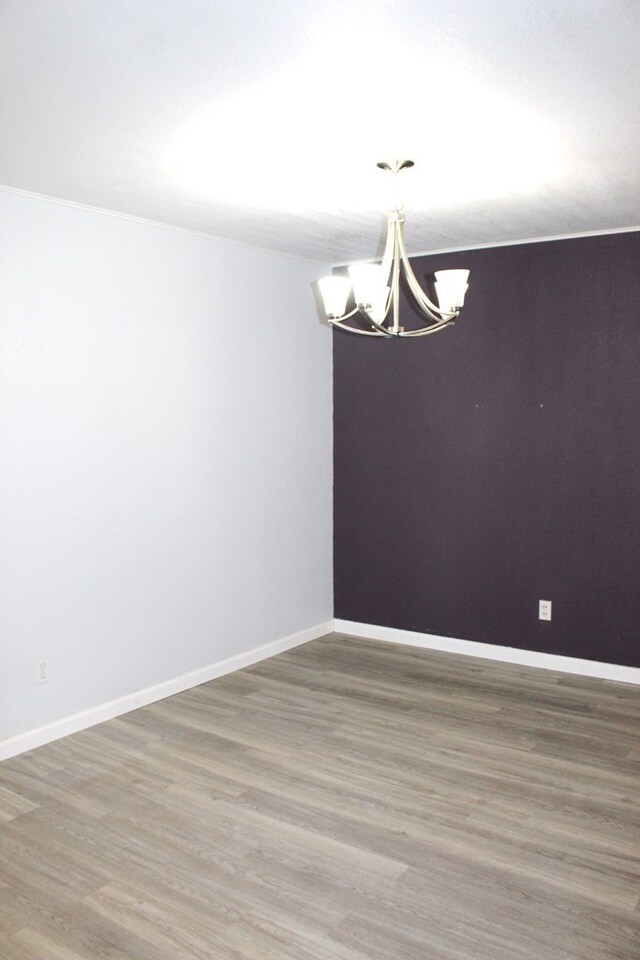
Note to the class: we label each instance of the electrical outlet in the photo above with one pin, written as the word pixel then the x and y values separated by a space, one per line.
pixel 544 609
pixel 42 670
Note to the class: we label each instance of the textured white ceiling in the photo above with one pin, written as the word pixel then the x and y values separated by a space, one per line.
pixel 262 121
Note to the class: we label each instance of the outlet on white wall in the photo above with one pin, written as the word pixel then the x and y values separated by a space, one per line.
pixel 544 609
pixel 42 670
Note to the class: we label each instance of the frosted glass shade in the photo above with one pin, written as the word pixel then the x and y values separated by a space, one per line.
pixel 378 309
pixel 368 283
pixel 335 293
pixel 451 286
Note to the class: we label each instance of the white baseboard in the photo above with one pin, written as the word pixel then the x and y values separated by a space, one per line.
pixel 22 742
pixel 37 737
pixel 490 651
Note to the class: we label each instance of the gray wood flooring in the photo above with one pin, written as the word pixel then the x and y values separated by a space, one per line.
pixel 349 800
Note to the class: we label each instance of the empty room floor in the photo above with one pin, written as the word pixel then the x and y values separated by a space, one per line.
pixel 348 800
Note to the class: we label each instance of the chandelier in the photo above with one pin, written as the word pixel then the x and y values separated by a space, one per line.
pixel 376 287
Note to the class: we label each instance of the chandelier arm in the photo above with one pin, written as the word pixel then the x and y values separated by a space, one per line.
pixel 346 316
pixel 387 261
pixel 422 300
pixel 387 256
pixel 378 332
pixel 433 328
pixel 382 330
pixel 388 304
pixel 395 282
pixel 415 287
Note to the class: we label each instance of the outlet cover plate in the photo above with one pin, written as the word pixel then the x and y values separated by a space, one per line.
pixel 544 609
pixel 42 670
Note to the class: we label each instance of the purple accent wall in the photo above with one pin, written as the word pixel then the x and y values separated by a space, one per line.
pixel 498 462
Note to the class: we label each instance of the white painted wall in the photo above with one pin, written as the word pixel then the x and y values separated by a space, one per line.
pixel 165 455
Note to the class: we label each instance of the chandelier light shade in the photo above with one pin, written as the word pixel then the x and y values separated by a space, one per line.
pixel 376 287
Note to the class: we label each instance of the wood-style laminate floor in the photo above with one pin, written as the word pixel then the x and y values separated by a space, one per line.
pixel 349 800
